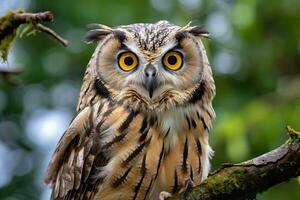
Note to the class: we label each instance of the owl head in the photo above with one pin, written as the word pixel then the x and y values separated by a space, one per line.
pixel 151 66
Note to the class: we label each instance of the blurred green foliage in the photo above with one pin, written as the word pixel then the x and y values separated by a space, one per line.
pixel 254 52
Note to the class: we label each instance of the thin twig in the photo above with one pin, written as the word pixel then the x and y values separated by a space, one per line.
pixel 22 18
pixel 50 32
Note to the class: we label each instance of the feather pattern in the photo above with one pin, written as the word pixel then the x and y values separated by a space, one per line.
pixel 124 145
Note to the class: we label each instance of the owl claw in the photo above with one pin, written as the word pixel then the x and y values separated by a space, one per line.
pixel 188 185
pixel 164 195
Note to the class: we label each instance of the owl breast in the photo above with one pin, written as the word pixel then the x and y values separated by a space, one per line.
pixel 148 153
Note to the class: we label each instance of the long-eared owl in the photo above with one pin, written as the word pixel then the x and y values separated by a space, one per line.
pixel 143 116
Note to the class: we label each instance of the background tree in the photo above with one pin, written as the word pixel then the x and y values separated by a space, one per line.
pixel 254 52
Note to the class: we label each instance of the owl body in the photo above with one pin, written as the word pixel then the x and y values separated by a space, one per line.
pixel 144 116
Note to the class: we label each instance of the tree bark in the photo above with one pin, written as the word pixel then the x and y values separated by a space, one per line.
pixel 245 180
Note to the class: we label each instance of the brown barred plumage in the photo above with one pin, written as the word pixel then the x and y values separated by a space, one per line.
pixel 125 143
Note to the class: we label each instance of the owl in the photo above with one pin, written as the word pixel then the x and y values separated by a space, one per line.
pixel 143 116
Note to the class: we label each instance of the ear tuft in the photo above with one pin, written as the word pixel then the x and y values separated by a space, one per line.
pixel 198 31
pixel 98 26
pixel 97 32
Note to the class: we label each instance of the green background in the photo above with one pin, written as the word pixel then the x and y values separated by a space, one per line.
pixel 254 52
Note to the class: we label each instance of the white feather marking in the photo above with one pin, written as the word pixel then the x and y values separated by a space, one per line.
pixel 170 45
pixel 107 134
pixel 205 162
pixel 80 157
pixel 71 158
pixel 105 170
pixel 132 46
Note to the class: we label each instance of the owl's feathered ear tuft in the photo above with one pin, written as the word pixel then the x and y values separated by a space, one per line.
pixel 97 32
pixel 198 31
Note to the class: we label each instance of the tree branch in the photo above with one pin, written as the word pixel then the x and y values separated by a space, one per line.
pixel 13 20
pixel 245 180
pixel 50 32
pixel 22 18
pixel 10 23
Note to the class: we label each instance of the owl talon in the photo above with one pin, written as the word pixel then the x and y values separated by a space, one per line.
pixel 188 185
pixel 164 195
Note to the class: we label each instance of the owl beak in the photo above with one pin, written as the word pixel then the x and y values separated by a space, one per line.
pixel 150 83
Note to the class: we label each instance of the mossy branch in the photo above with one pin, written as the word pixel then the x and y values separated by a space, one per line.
pixel 9 26
pixel 247 179
pixel 10 22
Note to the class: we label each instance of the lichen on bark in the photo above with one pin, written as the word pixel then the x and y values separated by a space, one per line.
pixel 8 32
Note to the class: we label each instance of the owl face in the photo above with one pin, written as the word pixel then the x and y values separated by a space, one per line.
pixel 151 66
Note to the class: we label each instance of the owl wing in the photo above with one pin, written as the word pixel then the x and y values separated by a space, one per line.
pixel 87 91
pixel 72 164
pixel 70 169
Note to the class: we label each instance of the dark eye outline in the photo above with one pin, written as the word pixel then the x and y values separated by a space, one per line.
pixel 135 61
pixel 179 54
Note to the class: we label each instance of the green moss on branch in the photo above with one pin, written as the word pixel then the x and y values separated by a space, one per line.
pixel 294 135
pixel 8 30
pixel 10 23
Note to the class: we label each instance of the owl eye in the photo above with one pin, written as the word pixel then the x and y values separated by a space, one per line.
pixel 127 61
pixel 172 60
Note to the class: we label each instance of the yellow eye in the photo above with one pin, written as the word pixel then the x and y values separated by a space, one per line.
pixel 172 60
pixel 127 61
